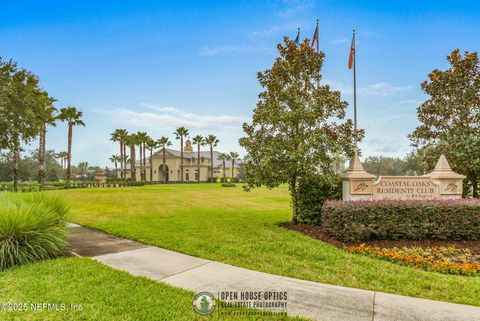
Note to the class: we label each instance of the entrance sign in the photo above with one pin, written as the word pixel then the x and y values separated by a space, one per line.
pixel 405 187
pixel 441 183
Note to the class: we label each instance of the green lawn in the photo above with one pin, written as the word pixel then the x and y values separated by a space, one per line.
pixel 103 293
pixel 239 228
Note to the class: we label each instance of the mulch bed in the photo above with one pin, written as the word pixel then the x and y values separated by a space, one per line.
pixel 317 233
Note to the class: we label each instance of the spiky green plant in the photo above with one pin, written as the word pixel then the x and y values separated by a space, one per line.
pixel 32 228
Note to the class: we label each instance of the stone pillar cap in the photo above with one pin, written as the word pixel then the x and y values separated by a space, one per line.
pixel 443 170
pixel 356 169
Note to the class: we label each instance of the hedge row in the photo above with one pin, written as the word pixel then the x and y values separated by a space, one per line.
pixel 395 219
pixel 35 187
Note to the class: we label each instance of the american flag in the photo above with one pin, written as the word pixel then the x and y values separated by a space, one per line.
pixel 352 52
pixel 315 36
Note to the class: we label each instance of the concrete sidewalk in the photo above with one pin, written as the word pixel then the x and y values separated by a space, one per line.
pixel 313 300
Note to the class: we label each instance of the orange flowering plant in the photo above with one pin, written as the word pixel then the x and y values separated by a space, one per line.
pixel 448 260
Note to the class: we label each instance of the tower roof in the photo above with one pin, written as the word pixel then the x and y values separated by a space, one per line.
pixel 356 170
pixel 443 170
pixel 442 165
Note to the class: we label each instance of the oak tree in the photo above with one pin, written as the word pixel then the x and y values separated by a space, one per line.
pixel 450 117
pixel 298 126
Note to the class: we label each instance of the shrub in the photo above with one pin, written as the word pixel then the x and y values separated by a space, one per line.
pixel 32 228
pixel 313 192
pixel 219 179
pixel 395 219
pixel 228 185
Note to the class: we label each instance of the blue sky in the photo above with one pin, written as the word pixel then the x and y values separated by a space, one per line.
pixel 155 65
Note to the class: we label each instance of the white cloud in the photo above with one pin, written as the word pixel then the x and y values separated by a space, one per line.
pixel 378 89
pixel 286 28
pixel 212 51
pixel 386 147
pixel 383 89
pixel 295 7
pixel 167 110
pixel 339 41
pixel 171 117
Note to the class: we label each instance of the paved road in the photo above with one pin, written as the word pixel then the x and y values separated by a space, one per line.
pixel 313 300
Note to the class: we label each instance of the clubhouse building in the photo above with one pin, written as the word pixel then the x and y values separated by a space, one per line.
pixel 191 167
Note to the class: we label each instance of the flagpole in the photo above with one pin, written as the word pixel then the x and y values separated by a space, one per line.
pixel 318 50
pixel 354 84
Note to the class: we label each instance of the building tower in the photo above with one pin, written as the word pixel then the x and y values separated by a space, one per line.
pixel 188 146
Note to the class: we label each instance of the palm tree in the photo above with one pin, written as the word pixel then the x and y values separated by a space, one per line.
pixel 83 169
pixel 118 136
pixel 199 141
pixel 233 157
pixel 144 141
pixel 64 156
pixel 115 159
pixel 212 141
pixel 73 117
pixel 223 157
pixel 125 160
pixel 131 141
pixel 60 156
pixel 151 145
pixel 46 116
pixel 123 136
pixel 163 142
pixel 141 139
pixel 180 133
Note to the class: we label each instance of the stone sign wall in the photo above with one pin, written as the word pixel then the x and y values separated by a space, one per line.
pixel 441 183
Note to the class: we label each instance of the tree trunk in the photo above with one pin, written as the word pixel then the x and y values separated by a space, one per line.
pixel 134 163
pixel 16 159
pixel 163 169
pixel 144 164
pixel 181 158
pixel 211 163
pixel 124 161
pixel 151 165
pixel 121 163
pixel 474 182
pixel 198 162
pixel 293 193
pixel 69 155
pixel 133 173
pixel 233 164
pixel 141 162
pixel 41 157
pixel 224 172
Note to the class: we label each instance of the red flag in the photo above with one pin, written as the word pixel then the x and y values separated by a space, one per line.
pixel 315 36
pixel 352 52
